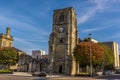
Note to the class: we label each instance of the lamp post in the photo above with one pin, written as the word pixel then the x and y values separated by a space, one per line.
pixel 90 56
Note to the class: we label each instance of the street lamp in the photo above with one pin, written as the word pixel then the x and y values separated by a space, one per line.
pixel 90 56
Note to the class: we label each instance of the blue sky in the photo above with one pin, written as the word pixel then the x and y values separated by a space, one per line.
pixel 31 20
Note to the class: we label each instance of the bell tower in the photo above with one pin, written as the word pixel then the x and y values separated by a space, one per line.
pixel 63 40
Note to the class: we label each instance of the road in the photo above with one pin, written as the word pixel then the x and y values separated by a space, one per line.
pixel 115 76
pixel 38 78
pixel 12 77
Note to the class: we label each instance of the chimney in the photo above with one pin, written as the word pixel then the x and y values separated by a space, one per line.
pixel 8 31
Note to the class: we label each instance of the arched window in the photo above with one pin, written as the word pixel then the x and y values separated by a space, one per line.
pixel 55 19
pixel 60 69
pixel 61 18
pixel 51 48
pixel 61 41
pixel 37 57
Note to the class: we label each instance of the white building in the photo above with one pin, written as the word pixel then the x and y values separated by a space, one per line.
pixel 93 40
pixel 37 54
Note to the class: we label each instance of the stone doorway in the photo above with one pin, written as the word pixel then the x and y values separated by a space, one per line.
pixel 40 67
pixel 60 69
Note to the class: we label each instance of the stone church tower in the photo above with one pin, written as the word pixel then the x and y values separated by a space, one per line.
pixel 63 40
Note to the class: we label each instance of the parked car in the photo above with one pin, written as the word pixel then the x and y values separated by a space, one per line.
pixel 117 71
pixel 41 74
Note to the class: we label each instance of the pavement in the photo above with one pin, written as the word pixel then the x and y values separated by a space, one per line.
pixel 25 74
pixel 65 77
pixel 28 74
pixel 21 74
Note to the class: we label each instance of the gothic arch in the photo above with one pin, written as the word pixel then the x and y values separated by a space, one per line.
pixel 61 18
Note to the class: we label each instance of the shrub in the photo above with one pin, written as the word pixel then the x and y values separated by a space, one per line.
pixel 5 71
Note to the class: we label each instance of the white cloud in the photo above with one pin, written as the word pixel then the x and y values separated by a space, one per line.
pixel 99 5
pixel 24 42
pixel 22 26
pixel 89 30
pixel 85 17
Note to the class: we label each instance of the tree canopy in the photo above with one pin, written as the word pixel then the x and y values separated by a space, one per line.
pixel 8 56
pixel 82 53
pixel 108 57
pixel 101 54
pixel 87 39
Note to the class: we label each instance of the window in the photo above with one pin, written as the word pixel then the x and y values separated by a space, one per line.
pixel 10 44
pixel 51 48
pixel 55 19
pixel 61 41
pixel 4 44
pixel 61 18
pixel 37 57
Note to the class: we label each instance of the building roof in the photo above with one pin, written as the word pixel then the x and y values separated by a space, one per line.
pixel 18 50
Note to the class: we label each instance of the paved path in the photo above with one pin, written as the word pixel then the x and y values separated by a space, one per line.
pixel 22 74
pixel 110 77
pixel 28 76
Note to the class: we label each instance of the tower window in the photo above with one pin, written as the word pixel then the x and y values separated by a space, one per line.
pixel 55 19
pixel 61 18
pixel 51 48
pixel 61 41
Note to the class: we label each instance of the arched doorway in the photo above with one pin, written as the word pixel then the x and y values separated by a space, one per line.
pixel 41 67
pixel 60 69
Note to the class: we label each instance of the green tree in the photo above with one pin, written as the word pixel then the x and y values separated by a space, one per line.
pixel 8 57
pixel 108 57
pixel 79 40
pixel 87 39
